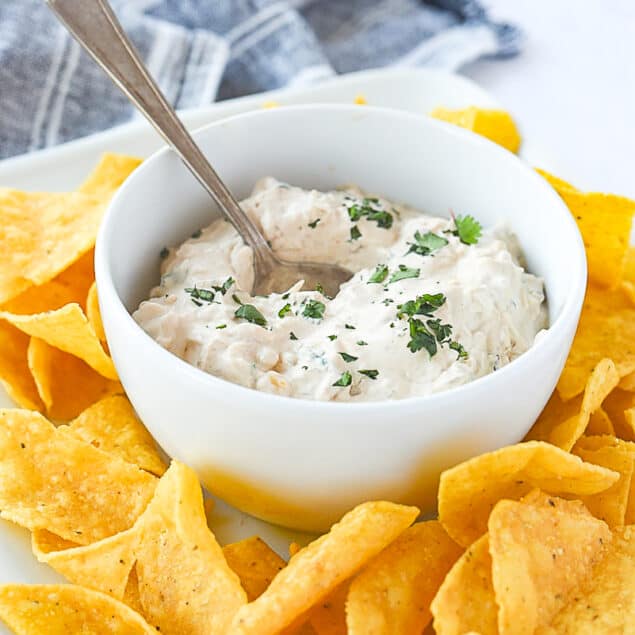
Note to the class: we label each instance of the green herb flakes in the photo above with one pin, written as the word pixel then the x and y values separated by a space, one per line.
pixel 293 336
pixel 284 310
pixel 404 273
pixel 379 275
pixel 467 229
pixel 250 313
pixel 345 379
pixel 348 358
pixel 426 243
pixel 372 374
pixel 355 233
pixel 314 309
pixel 313 224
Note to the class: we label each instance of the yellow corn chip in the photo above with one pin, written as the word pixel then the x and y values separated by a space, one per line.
pixel 469 491
pixel 328 617
pixel 562 424
pixel 618 406
pixel 49 481
pixel 496 125
pixel 14 369
pixel 556 182
pixel 43 541
pixel 465 601
pixel 611 504
pixel 255 563
pixel 393 592
pixel 112 425
pixel 540 554
pixel 315 571
pixel 67 329
pixel 628 382
pixel 629 264
pixel 185 584
pixel 41 235
pixel 600 423
pixel 103 566
pixel 109 174
pixel 65 609
pixel 601 334
pixel 605 603
pixel 69 286
pixel 66 384
pixel 93 314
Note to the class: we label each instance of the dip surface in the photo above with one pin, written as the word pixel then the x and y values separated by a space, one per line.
pixel 424 312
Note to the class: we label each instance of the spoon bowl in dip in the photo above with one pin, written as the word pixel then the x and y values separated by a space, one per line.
pixel 96 28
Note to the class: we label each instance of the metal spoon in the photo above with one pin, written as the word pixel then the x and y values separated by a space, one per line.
pixel 96 28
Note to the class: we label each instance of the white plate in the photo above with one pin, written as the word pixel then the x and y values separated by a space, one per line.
pixel 63 168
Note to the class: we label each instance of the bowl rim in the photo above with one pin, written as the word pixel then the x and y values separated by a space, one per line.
pixel 570 311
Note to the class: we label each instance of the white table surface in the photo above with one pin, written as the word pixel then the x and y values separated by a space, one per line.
pixel 572 90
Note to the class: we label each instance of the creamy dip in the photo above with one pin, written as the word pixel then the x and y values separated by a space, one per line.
pixel 434 302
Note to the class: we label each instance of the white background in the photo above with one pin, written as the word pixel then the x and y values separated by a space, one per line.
pixel 572 90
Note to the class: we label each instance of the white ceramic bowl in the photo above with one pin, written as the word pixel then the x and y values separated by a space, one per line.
pixel 303 463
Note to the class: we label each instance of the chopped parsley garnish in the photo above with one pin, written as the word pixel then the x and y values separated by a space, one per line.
pixel 164 253
pixel 462 353
pixel 467 229
pixel 224 288
pixel 197 234
pixel 426 243
pixel 441 331
pixel 206 295
pixel 348 358
pixel 355 233
pixel 371 209
pixel 403 273
pixel 236 299
pixel 250 313
pixel 379 275
pixel 286 296
pixel 420 337
pixel 332 337
pixel 425 304
pixel 369 373
pixel 387 301
pixel 222 326
pixel 362 343
pixel 314 309
pixel 293 336
pixel 345 379
pixel 284 310
pixel 349 326
pixel 319 288
pixel 313 223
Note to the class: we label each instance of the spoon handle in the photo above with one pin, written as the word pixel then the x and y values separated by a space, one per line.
pixel 95 26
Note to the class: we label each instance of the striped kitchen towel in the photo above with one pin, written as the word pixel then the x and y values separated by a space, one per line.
pixel 204 50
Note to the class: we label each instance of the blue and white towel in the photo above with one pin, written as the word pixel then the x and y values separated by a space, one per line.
pixel 204 50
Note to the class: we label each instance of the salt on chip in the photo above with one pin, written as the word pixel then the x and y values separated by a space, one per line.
pixel 562 424
pixel 185 584
pixel 601 334
pixel 72 489
pixel 465 601
pixel 328 617
pixel 65 609
pixel 103 566
pixel 540 554
pixel 605 222
pixel 611 504
pixel 392 594
pixel 68 329
pixel 41 235
pixel 255 563
pixel 605 602
pixel 469 491
pixel 109 175
pixel 315 571
pixel 496 125
pixel 113 426
pixel 66 384
pixel 93 314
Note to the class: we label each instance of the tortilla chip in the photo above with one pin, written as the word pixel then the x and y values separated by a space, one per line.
pixel 496 125
pixel 465 601
pixel 600 423
pixel 43 541
pixel 65 609
pixel 69 286
pixel 103 566
pixel 605 604
pixel 469 491
pixel 540 554
pixel 66 385
pixel 601 334
pixel 185 584
pixel 69 330
pixel 72 489
pixel 93 314
pixel 109 174
pixel 112 425
pixel 328 617
pixel 563 423
pixel 611 504
pixel 41 235
pixel 14 369
pixel 618 406
pixel 556 182
pixel 315 571
pixel 255 563
pixel 393 592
